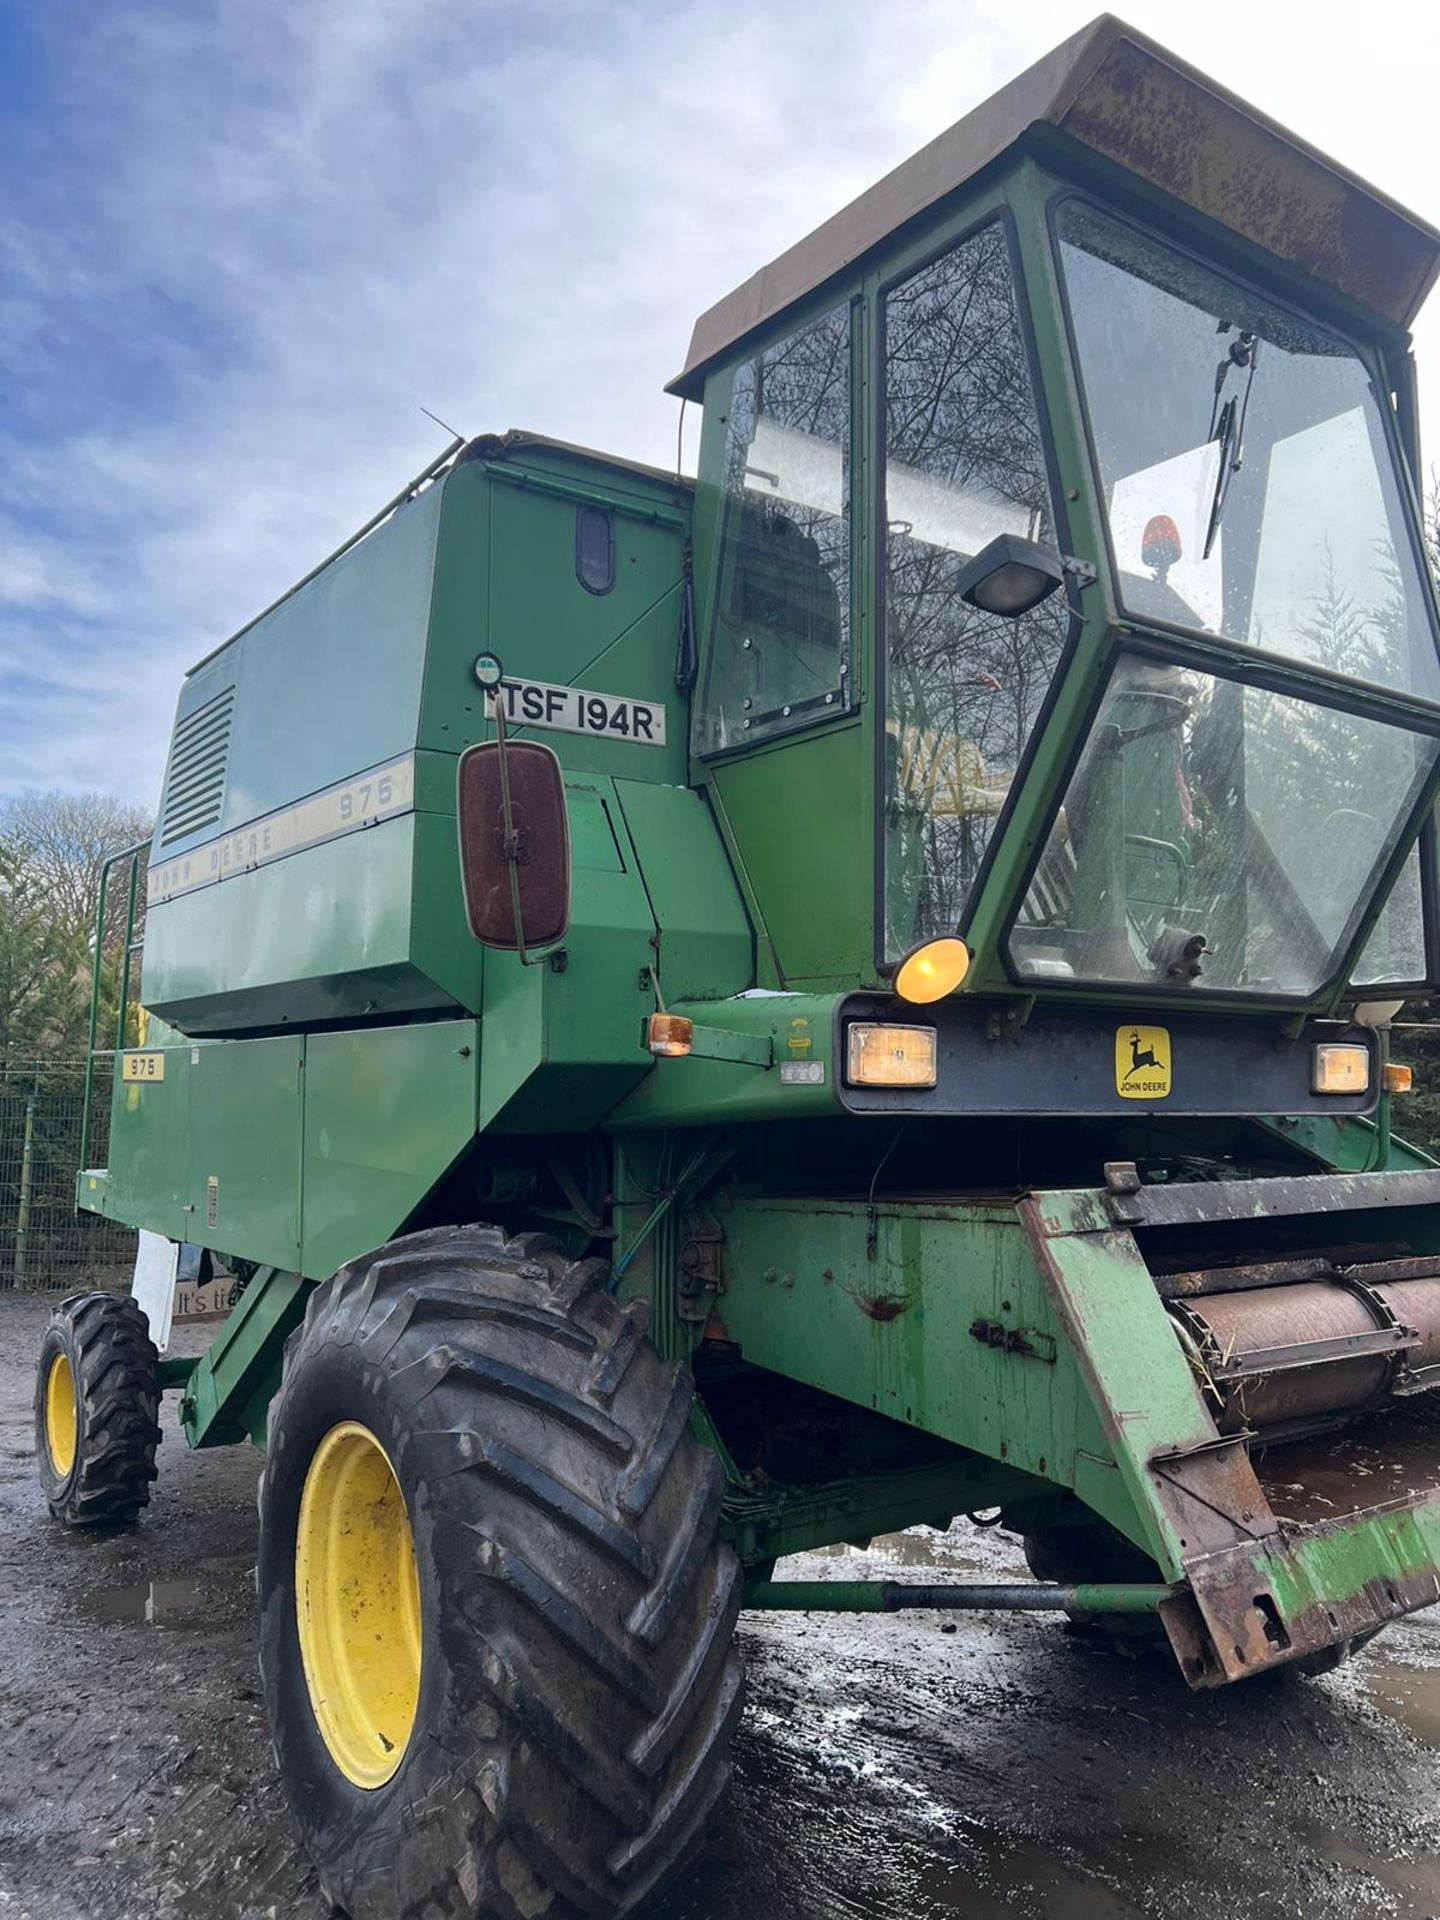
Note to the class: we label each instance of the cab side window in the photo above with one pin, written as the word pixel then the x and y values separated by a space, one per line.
pixel 964 461
pixel 780 652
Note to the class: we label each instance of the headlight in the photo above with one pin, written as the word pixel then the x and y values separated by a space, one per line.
pixel 1339 1069
pixel 888 1056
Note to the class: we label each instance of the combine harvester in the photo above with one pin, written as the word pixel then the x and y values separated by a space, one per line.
pixel 712 1022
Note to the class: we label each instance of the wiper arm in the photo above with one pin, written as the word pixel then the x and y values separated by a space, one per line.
pixel 1227 423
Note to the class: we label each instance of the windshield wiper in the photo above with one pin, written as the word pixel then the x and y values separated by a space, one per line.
pixel 1227 422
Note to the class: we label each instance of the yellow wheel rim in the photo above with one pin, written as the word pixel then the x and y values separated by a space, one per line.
pixel 357 1605
pixel 61 1425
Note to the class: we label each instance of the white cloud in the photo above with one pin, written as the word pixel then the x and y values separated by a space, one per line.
pixel 297 225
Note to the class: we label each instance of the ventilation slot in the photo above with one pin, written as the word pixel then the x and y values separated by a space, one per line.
pixel 195 777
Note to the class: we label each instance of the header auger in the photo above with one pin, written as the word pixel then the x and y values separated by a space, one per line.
pixel 718 1020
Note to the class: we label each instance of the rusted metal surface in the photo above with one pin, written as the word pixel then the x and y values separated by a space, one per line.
pixel 1280 1354
pixel 1247 1631
pixel 1148 112
pixel 1417 1304
pixel 1123 96
pixel 1027 1341
pixel 1284 1273
pixel 1308 1544
pixel 882 1307
pixel 1200 1488
pixel 1201 1202
pixel 1286 1353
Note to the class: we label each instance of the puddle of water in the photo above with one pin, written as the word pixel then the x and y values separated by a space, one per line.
pixel 155 1603
pixel 922 1549
pixel 1408 1694
pixel 960 1549
pixel 1016 1880
pixel 1414 1883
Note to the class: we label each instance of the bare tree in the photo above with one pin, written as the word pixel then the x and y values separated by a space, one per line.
pixel 53 849
pixel 64 840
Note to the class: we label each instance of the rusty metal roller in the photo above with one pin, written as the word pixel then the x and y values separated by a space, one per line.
pixel 1277 1354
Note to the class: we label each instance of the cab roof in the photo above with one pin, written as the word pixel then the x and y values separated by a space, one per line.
pixel 1123 96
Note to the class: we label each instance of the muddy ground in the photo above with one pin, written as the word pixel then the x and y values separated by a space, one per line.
pixel 889 1767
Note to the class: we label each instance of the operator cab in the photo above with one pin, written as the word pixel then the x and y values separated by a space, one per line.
pixel 1198 751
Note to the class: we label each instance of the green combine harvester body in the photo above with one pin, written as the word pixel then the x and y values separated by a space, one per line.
pixel 1052 583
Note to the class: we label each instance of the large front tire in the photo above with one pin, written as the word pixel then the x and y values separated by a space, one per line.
pixel 543 1728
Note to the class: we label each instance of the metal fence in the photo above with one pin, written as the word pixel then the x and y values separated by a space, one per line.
pixel 43 1241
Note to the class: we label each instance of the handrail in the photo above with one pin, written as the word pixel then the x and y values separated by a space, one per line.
pixel 97 966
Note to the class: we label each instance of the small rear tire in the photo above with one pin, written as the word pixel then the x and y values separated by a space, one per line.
pixel 97 1406
pixel 496 1612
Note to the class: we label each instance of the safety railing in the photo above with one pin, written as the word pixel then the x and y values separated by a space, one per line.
pixel 130 947
pixel 44 1242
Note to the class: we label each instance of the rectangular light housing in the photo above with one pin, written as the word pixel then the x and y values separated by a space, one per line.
pixel 889 1056
pixel 669 1036
pixel 1339 1068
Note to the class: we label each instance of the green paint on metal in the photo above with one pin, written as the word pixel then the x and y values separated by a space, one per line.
pixel 1345 1145
pixel 773 1030
pixel 800 811
pixel 741 1049
pixel 388 1111
pixel 706 949
pixel 1140 1383
pixel 1359 1558
pixel 766 1522
pixel 228 1396
pixel 877 1305
pixel 359 1126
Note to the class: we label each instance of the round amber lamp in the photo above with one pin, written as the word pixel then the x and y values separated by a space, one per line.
pixel 931 971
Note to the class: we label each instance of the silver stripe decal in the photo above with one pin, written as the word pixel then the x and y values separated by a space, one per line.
pixel 381 794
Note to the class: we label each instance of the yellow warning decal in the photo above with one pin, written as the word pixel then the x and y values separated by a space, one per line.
pixel 142 1066
pixel 1142 1063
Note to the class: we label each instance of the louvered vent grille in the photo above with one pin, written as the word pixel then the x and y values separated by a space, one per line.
pixel 195 777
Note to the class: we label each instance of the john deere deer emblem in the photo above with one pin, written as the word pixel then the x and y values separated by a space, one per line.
pixel 1142 1063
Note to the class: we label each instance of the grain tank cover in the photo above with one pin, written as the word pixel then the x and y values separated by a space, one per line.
pixel 1125 98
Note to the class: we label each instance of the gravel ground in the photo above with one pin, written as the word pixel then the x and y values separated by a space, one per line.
pixel 907 1767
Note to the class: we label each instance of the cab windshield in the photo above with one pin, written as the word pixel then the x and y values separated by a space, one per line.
pixel 1219 833
pixel 1246 472
pixel 1225 836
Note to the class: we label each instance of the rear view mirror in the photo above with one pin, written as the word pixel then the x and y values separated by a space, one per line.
pixel 528 868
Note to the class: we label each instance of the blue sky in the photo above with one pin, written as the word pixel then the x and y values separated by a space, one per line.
pixel 243 243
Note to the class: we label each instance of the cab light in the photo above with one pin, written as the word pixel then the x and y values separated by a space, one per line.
pixel 1398 1079
pixel 931 971
pixel 669 1036
pixel 889 1056
pixel 1335 1068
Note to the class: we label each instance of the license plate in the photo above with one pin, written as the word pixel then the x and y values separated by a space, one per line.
pixel 614 716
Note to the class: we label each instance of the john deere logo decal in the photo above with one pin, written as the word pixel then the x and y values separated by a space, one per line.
pixel 1142 1063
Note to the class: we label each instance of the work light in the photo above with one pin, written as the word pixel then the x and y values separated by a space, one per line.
pixel 1009 576
pixel 1339 1068
pixel 885 1055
